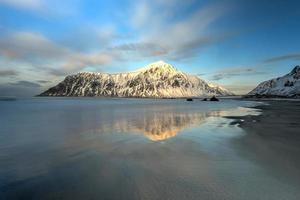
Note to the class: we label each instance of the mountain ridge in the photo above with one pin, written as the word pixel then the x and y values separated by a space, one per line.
pixel 285 86
pixel 156 80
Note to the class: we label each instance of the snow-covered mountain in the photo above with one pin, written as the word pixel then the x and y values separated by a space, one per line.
pixel 285 86
pixel 158 80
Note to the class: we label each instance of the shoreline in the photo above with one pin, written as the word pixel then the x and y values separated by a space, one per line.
pixel 272 111
pixel 272 134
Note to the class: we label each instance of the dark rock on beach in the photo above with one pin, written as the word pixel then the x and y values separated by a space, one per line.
pixel 214 99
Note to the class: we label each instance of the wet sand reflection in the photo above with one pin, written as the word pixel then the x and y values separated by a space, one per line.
pixel 160 126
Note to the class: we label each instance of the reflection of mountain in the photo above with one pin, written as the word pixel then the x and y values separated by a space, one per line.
pixel 157 122
pixel 157 126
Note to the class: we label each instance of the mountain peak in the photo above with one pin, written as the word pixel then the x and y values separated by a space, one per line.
pixel 296 70
pixel 159 66
pixel 160 62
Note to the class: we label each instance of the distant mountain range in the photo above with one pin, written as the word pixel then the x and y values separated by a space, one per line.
pixel 156 80
pixel 285 86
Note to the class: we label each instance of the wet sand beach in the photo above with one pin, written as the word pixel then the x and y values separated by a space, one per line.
pixel 90 148
pixel 276 131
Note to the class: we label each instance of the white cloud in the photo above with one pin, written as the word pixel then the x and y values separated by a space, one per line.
pixel 240 88
pixel 235 71
pixel 27 48
pixel 30 46
pixel 285 57
pixel 141 14
pixel 24 4
pixel 161 34
pixel 158 24
pixel 76 62
pixel 45 8
pixel 8 73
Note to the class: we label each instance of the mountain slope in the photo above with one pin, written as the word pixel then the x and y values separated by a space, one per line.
pixel 285 86
pixel 157 80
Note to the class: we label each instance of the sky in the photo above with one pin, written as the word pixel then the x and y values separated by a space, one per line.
pixel 233 43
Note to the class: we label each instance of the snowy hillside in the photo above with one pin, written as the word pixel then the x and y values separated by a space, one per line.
pixel 285 86
pixel 159 80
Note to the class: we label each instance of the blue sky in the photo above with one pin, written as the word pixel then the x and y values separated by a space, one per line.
pixel 234 43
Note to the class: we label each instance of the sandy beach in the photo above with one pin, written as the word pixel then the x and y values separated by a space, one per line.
pixel 274 132
pixel 278 121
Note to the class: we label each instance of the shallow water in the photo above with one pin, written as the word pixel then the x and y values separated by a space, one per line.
pixel 91 148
